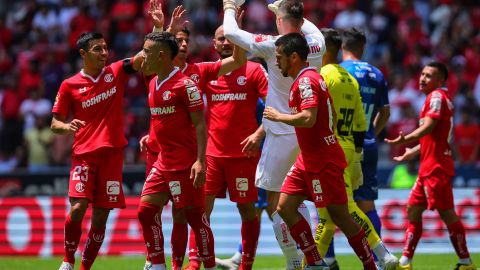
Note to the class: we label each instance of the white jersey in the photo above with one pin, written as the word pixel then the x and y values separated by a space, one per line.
pixel 264 46
pixel 278 85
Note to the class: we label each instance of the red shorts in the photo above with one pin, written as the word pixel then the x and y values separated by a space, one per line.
pixel 178 184
pixel 323 188
pixel 97 176
pixel 235 174
pixel 433 191
pixel 150 157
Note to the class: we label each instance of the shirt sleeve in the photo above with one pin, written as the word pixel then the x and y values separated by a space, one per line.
pixel 62 101
pixel 309 92
pixel 191 96
pixel 434 105
pixel 208 71
pixel 384 98
pixel 255 44
pixel 259 76
pixel 359 120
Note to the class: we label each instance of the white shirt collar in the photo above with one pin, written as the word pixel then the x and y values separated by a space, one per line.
pixel 95 80
pixel 184 68
pixel 157 86
pixel 303 70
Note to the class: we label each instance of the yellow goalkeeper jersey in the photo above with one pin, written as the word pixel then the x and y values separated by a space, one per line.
pixel 348 105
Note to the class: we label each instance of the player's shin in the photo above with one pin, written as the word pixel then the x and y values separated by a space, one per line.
pixel 178 243
pixel 361 247
pixel 94 242
pixel 152 232
pixel 286 242
pixel 73 231
pixel 198 221
pixel 250 233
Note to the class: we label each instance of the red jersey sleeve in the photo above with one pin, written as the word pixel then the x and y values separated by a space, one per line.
pixel 208 71
pixel 62 101
pixel 436 104
pixel 259 75
pixel 308 92
pixel 191 96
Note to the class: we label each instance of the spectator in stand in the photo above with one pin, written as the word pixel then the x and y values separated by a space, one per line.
pixel 45 19
pixel 403 92
pixel 34 105
pixel 37 143
pixel 123 14
pixel 350 17
pixel 52 74
pixel 467 138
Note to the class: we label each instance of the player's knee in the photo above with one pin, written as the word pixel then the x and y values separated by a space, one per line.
pixel 78 210
pixel 415 212
pixel 448 216
pixel 247 211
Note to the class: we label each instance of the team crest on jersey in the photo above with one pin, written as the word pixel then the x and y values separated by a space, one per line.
pixel 195 77
pixel 167 95
pixel 188 82
pixel 80 187
pixel 323 85
pixel 260 38
pixel 241 80
pixel 193 93
pixel 108 78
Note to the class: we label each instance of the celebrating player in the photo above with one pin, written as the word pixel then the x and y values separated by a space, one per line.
pixel 350 131
pixel 433 189
pixel 280 147
pixel 317 174
pixel 95 98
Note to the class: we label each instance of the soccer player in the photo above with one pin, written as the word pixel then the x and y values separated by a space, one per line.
pixel 280 147
pixel 176 106
pixel 433 189
pixel 373 90
pixel 199 73
pixel 231 102
pixel 350 131
pixel 94 96
pixel 317 174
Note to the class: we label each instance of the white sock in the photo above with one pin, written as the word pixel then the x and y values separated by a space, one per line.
pixel 466 261
pixel 237 257
pixel 380 250
pixel 404 260
pixel 286 242
pixel 159 266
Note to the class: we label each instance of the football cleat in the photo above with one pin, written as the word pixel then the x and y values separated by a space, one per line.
pixel 147 266
pixel 189 267
pixel 465 267
pixel 322 266
pixel 227 264
pixel 390 262
pixel 334 265
pixel 404 267
pixel 66 266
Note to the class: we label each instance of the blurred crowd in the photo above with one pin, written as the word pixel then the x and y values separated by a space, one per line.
pixel 37 51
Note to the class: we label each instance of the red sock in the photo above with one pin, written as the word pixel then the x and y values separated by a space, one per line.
pixel 203 235
pixel 250 233
pixel 152 231
pixel 178 242
pixel 94 242
pixel 193 258
pixel 302 235
pixel 360 245
pixel 73 231
pixel 412 236
pixel 457 237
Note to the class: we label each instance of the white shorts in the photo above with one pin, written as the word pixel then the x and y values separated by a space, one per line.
pixel 278 155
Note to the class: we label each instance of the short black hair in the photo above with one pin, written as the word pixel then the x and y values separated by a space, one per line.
pixel 84 39
pixel 185 30
pixel 164 39
pixel 333 41
pixel 294 42
pixel 292 9
pixel 353 40
pixel 442 68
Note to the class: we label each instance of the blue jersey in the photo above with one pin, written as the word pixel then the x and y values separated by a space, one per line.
pixel 373 89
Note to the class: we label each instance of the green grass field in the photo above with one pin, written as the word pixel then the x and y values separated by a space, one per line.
pixel 347 262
